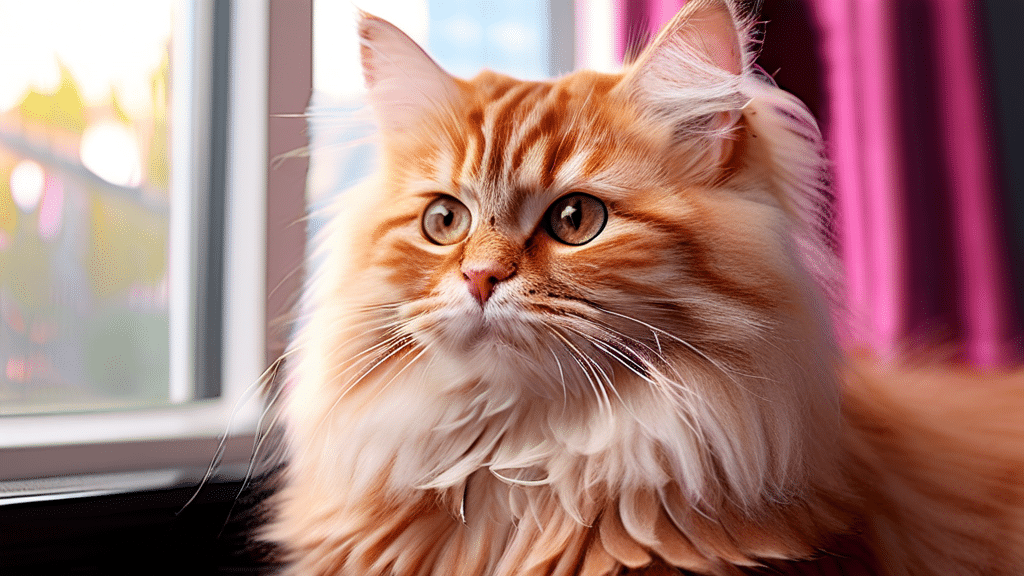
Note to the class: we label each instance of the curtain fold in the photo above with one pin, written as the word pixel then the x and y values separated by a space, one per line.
pixel 918 200
pixel 986 304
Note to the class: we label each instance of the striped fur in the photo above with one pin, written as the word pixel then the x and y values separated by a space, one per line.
pixel 665 396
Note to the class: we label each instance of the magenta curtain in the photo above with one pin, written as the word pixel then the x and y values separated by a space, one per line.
pixel 900 89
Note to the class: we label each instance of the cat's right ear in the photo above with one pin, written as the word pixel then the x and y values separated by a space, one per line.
pixel 404 83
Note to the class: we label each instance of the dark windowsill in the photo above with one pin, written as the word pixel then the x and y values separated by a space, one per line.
pixel 139 532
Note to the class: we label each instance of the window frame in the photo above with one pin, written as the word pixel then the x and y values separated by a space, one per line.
pixel 259 253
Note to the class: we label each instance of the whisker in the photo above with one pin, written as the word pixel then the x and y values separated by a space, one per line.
pixel 261 432
pixel 348 388
pixel 391 329
pixel 268 376
pixel 672 393
pixel 726 371
pixel 392 346
pixel 391 339
pixel 638 360
pixel 595 364
pixel 561 377
pixel 355 380
pixel 672 390
pixel 675 377
pixel 258 441
pixel 655 330
pixel 375 355
pixel 619 335
pixel 616 354
pixel 576 354
pixel 403 369
pixel 352 319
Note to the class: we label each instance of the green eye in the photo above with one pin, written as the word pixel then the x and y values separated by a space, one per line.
pixel 446 221
pixel 576 218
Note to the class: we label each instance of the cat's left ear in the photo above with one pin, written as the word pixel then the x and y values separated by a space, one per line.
pixel 705 29
pixel 404 83
pixel 690 73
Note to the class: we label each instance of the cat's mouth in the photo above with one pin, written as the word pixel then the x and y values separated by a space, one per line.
pixel 494 325
pixel 470 327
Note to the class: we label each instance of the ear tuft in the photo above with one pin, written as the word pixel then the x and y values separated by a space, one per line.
pixel 404 83
pixel 710 32
pixel 711 29
pixel 690 75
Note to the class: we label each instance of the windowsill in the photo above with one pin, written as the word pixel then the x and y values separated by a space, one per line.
pixel 70 461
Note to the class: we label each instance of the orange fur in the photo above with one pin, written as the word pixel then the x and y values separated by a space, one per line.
pixel 937 452
pixel 663 396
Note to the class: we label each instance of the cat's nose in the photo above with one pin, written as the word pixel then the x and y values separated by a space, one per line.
pixel 483 277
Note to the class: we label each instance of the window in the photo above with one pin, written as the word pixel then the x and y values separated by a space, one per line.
pixel 132 198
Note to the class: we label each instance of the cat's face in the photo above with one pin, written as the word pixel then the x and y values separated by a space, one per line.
pixel 563 223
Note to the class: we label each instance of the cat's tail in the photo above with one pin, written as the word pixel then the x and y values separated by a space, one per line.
pixel 939 460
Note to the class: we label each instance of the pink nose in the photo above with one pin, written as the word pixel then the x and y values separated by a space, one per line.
pixel 482 278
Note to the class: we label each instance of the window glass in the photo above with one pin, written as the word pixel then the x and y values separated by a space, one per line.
pixel 508 37
pixel 84 203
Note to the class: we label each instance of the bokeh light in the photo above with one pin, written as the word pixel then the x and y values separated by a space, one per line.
pixel 110 150
pixel 27 181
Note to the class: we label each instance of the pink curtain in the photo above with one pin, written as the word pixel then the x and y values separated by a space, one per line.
pixel 900 90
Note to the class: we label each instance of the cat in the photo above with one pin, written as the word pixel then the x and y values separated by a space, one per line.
pixel 583 327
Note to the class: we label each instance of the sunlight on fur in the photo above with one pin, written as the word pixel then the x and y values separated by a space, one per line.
pixel 582 327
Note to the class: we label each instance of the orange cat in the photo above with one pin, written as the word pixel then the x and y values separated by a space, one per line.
pixel 582 327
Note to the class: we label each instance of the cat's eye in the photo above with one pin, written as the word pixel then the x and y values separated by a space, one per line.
pixel 576 218
pixel 446 221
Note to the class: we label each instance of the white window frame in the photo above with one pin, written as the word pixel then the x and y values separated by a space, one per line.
pixel 66 444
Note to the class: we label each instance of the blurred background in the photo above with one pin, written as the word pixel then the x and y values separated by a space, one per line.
pixel 84 203
pixel 918 99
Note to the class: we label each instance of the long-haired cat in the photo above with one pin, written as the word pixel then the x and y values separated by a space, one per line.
pixel 582 327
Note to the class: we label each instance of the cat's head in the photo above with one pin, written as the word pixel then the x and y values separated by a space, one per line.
pixel 637 211
pixel 639 239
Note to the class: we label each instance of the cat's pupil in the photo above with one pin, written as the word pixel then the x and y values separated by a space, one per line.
pixel 447 216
